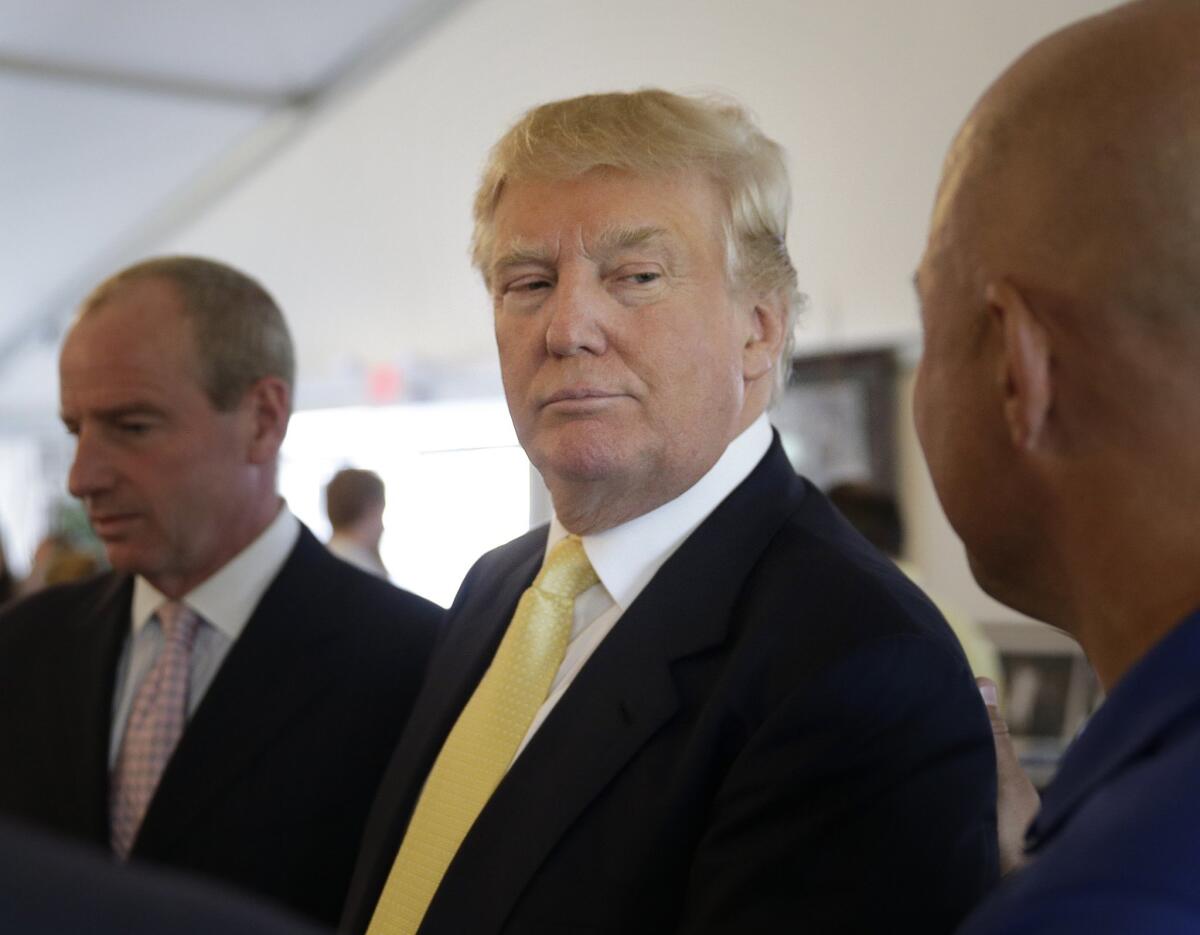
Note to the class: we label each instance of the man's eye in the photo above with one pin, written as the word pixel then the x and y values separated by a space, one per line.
pixel 644 278
pixel 130 427
pixel 529 285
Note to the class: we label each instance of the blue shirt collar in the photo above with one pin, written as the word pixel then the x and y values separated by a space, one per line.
pixel 1153 695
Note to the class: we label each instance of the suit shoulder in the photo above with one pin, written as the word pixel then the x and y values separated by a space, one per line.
pixel 57 610
pixel 820 593
pixel 329 581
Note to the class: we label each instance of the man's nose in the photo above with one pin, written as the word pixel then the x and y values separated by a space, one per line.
pixel 577 311
pixel 91 471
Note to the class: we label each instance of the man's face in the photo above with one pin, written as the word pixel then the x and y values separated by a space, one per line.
pixel 621 344
pixel 958 406
pixel 161 473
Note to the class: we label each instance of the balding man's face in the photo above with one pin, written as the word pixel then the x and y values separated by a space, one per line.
pixel 160 471
pixel 959 403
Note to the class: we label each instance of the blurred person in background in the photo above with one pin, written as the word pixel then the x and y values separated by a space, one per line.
pixel 225 700
pixel 58 560
pixel 354 502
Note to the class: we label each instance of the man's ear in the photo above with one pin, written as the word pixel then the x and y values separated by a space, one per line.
pixel 1025 364
pixel 269 407
pixel 764 337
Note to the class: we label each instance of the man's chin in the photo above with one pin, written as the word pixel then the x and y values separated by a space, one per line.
pixel 580 452
pixel 998 586
pixel 124 558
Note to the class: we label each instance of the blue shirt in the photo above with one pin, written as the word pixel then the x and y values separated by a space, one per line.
pixel 1116 845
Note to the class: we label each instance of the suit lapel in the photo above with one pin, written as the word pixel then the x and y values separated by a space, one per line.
pixel 270 676
pixel 616 704
pixel 485 607
pixel 84 698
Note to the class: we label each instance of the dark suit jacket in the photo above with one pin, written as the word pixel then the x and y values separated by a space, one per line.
pixel 52 887
pixel 272 781
pixel 780 734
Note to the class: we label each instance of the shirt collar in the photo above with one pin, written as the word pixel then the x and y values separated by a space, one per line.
pixel 228 598
pixel 1153 695
pixel 626 557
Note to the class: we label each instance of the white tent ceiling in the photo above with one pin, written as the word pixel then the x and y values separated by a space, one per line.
pixel 121 120
pixel 296 141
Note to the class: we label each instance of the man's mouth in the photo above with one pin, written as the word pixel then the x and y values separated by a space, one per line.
pixel 579 394
pixel 109 524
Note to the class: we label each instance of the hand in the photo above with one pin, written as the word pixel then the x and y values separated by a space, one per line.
pixel 1017 800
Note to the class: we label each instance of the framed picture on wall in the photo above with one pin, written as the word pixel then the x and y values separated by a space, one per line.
pixel 837 418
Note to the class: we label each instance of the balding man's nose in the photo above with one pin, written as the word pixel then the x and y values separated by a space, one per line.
pixel 91 471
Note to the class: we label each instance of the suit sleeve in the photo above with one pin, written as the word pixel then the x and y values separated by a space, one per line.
pixel 864 802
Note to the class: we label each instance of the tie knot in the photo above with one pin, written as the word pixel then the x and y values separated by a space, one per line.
pixel 178 623
pixel 567 572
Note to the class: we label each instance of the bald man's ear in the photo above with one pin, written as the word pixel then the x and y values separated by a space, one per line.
pixel 764 337
pixel 269 403
pixel 1025 365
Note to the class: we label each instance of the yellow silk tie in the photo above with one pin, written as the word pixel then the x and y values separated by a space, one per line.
pixel 484 739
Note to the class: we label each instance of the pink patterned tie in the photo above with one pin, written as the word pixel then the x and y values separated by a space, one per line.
pixel 156 720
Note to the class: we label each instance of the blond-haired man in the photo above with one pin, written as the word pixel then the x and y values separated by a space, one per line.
pixel 716 708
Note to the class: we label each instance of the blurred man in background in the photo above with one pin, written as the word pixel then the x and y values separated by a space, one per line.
pixel 1058 403
pixel 354 502
pixel 226 699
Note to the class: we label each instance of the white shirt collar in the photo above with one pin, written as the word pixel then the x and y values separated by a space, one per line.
pixel 626 557
pixel 228 598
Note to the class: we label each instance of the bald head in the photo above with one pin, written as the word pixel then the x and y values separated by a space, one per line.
pixel 1059 393
pixel 1076 174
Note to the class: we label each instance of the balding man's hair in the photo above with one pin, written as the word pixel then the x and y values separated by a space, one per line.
pixel 239 331
pixel 654 132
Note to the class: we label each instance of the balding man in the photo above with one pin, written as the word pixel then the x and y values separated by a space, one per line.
pixel 1058 403
pixel 226 699
pixel 716 708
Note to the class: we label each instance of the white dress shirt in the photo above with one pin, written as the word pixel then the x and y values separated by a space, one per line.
pixel 224 603
pixel 626 557
pixel 357 555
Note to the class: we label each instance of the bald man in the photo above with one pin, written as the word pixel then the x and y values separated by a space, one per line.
pixel 1058 403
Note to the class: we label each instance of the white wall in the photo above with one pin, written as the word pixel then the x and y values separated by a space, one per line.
pixel 361 228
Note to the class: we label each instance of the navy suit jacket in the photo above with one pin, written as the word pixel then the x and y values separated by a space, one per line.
pixel 271 783
pixel 780 733
pixel 53 887
pixel 1116 846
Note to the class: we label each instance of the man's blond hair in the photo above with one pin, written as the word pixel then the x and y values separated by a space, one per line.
pixel 654 132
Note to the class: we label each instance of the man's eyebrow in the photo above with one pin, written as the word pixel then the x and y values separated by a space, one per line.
pixel 615 239
pixel 519 253
pixel 112 413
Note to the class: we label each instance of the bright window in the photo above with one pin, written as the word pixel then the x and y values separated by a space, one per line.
pixel 457 482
